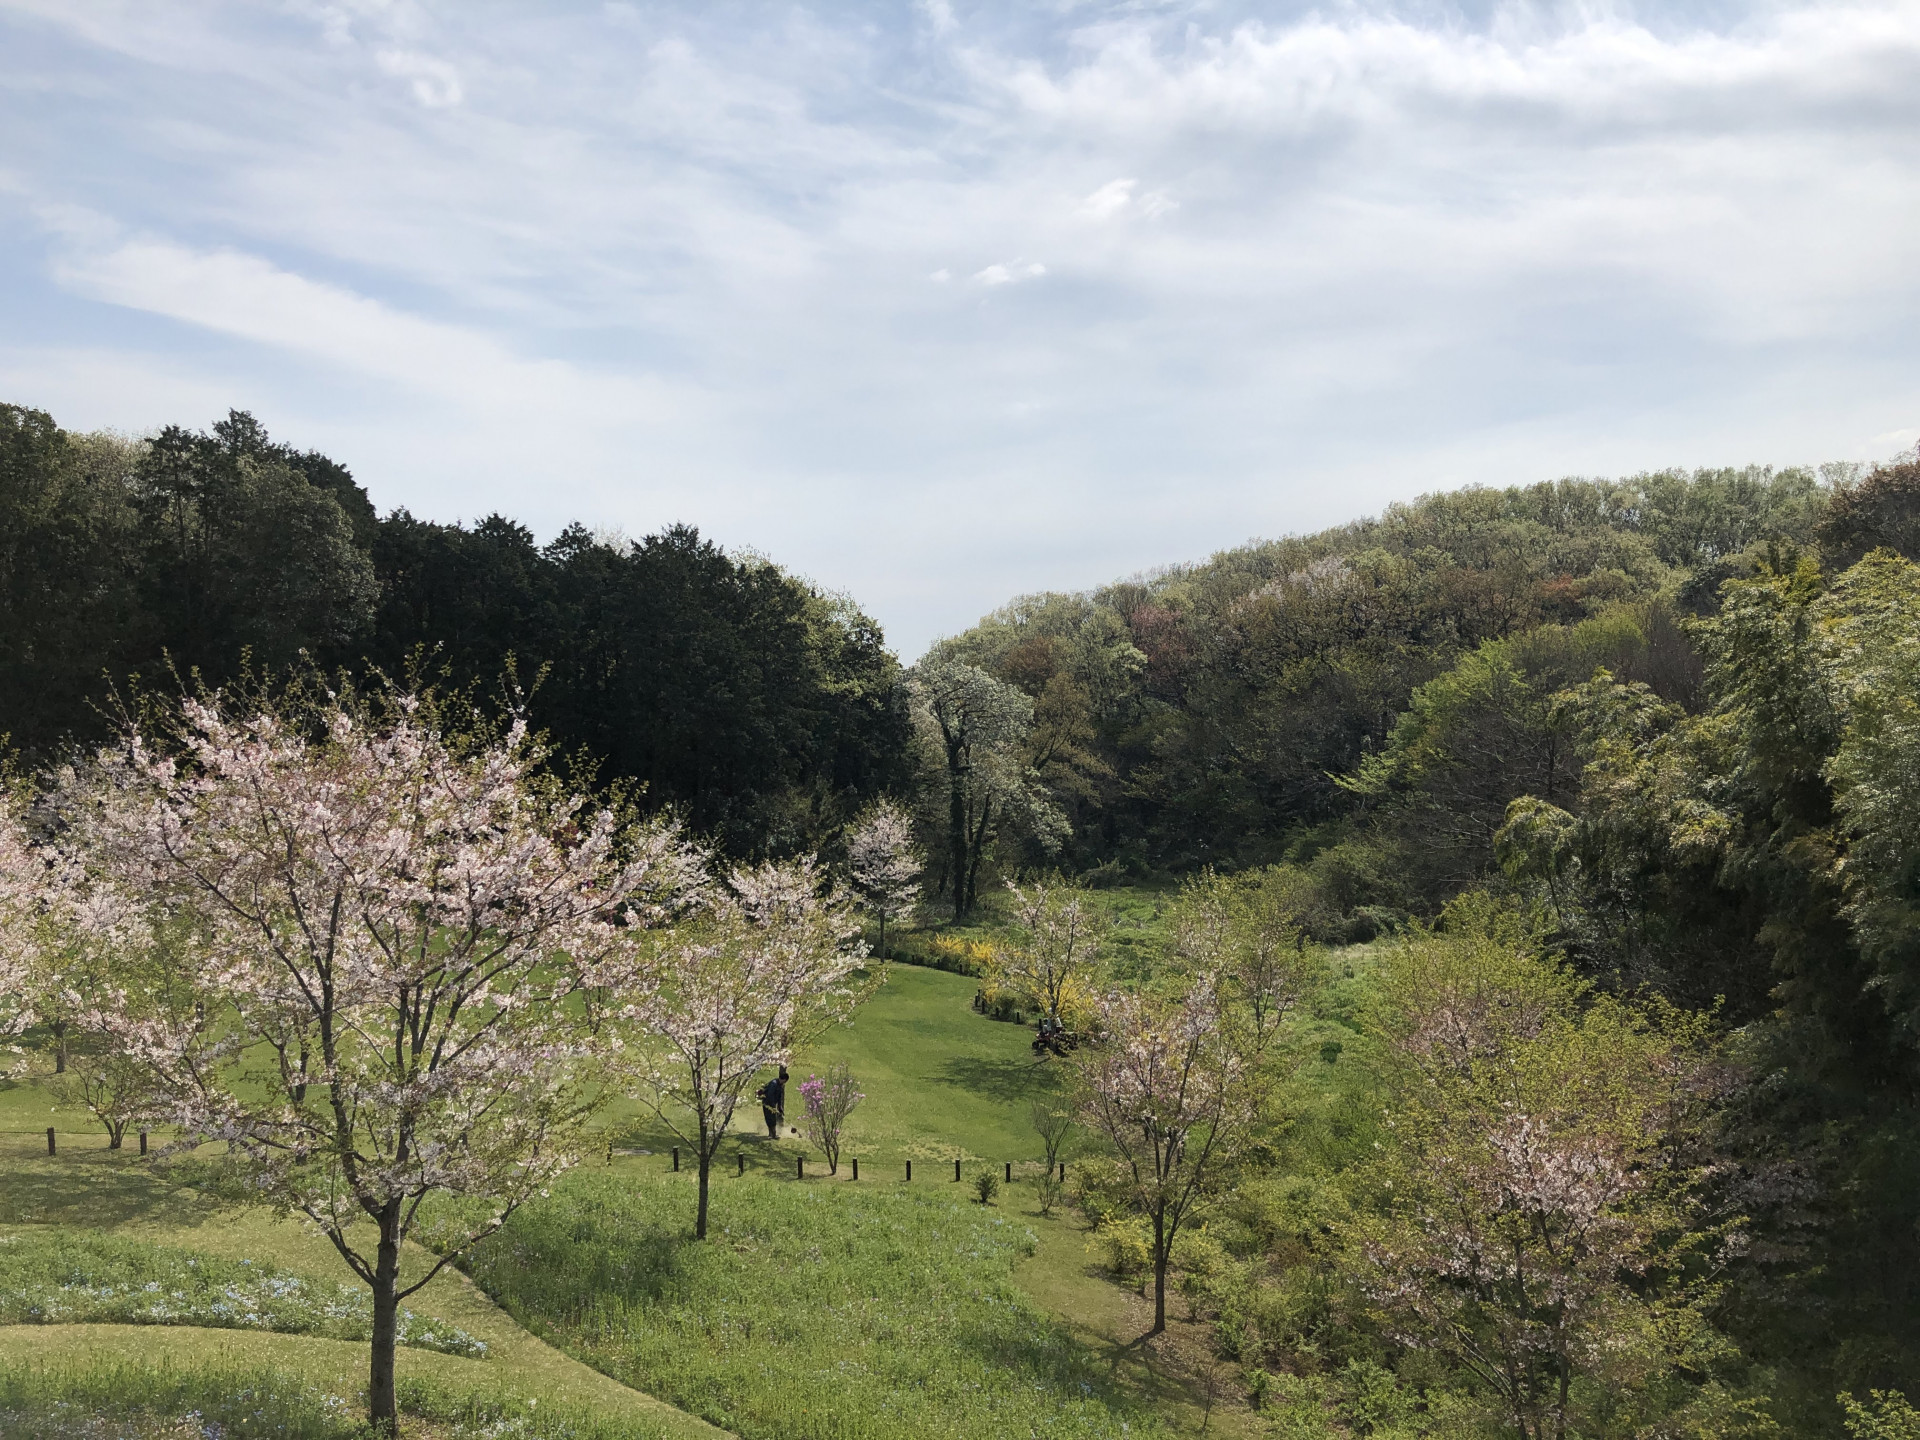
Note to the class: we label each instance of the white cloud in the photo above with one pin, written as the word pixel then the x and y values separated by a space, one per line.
pixel 1011 273
pixel 247 297
pixel 434 83
pixel 1109 200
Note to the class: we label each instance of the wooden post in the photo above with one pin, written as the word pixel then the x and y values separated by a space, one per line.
pixel 50 1149
pixel 1009 1172
pixel 741 1156
pixel 799 1167
pixel 1063 1172
pixel 856 1167
pixel 909 1169
pixel 956 1170
pixel 143 1142
pixel 676 1157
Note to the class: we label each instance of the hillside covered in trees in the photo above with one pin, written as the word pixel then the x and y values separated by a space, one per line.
pixel 1672 718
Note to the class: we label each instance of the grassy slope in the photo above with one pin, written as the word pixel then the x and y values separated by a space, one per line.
pixel 87 1186
pixel 943 1081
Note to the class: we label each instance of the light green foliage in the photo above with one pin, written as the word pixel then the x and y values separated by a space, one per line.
pixel 813 1311
pixel 55 1277
pixel 1534 1218
pixel 1886 1416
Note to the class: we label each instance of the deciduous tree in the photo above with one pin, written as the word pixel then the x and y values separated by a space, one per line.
pixel 769 960
pixel 1538 1224
pixel 1163 1086
pixel 884 864
pixel 1054 961
pixel 438 920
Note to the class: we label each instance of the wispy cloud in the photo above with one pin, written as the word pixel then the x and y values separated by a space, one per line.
pixel 764 270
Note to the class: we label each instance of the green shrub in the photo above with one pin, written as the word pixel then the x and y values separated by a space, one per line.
pixel 986 1185
pixel 810 1313
pixel 67 1276
pixel 1124 1247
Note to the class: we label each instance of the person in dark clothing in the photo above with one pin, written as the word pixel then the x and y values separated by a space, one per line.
pixel 773 1103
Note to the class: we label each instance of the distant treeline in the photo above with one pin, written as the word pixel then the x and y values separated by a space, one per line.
pixel 763 709
pixel 1240 711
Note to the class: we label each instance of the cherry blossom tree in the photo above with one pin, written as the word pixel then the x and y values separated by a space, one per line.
pixel 421 929
pixel 1163 1086
pixel 1540 1226
pixel 22 884
pixel 770 959
pixel 883 863
pixel 1245 929
pixel 1053 961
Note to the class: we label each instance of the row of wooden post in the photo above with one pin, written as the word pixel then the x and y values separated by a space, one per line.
pixel 53 1147
pixel 799 1162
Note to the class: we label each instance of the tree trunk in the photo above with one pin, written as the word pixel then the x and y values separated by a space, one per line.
pixel 115 1134
pixel 382 1401
pixel 59 1047
pixel 704 1160
pixel 1160 1258
pixel 957 832
pixel 976 846
pixel 883 934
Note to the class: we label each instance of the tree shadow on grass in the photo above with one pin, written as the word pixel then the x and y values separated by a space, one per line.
pixel 1005 1082
pixel 96 1188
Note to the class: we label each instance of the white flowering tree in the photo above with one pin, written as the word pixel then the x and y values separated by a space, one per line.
pixel 883 863
pixel 418 929
pixel 772 958
pixel 1164 1088
pixel 1056 956
pixel 21 886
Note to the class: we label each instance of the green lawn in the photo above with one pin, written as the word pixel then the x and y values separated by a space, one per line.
pixel 941 1082
pixel 89 1190
pixel 813 1310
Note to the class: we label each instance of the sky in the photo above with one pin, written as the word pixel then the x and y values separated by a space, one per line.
pixel 938 303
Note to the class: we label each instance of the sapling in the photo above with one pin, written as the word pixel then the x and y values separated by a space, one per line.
pixel 986 1185
pixel 829 1102
pixel 884 865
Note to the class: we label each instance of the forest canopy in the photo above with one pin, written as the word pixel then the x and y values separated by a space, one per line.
pixel 764 710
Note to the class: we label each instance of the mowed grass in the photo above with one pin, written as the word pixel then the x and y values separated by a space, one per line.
pixel 87 1192
pixel 942 1082
pixel 813 1311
